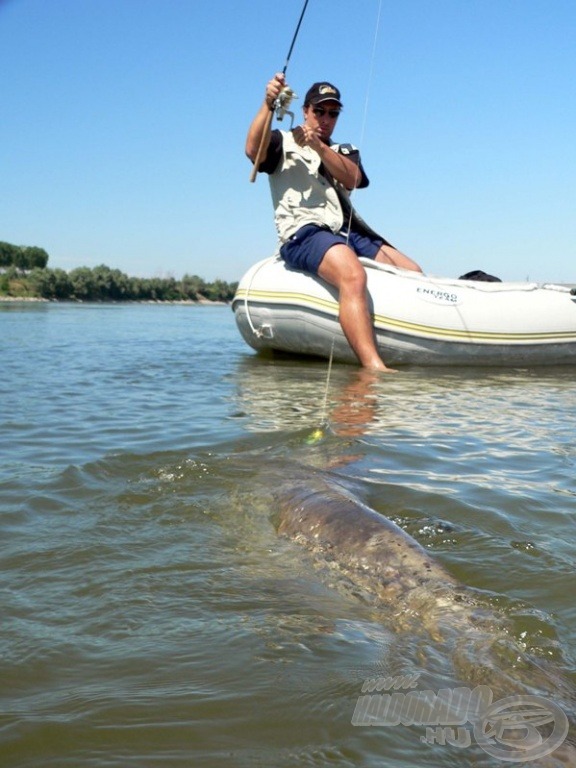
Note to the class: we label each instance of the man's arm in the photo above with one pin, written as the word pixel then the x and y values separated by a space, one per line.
pixel 340 167
pixel 259 131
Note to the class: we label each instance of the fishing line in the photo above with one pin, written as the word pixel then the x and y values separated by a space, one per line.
pixel 371 72
pixel 318 433
pixel 324 420
pixel 367 100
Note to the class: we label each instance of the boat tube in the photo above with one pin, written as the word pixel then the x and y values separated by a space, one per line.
pixel 418 319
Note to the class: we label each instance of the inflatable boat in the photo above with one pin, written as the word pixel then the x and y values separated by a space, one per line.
pixel 418 319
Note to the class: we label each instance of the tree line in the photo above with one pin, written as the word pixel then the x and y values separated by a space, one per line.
pixel 22 256
pixel 20 277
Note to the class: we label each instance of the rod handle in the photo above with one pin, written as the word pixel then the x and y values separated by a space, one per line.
pixel 260 152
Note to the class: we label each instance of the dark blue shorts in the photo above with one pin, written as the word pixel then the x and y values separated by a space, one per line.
pixel 306 249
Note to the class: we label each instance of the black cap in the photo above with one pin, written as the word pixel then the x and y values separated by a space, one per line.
pixel 320 92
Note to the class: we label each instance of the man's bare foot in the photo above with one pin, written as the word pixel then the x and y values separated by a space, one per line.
pixel 379 367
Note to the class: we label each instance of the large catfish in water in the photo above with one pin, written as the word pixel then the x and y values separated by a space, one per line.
pixel 417 593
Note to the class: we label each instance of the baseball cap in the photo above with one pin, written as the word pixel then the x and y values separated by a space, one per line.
pixel 320 92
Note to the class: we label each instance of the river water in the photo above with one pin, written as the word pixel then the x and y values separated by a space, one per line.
pixel 152 616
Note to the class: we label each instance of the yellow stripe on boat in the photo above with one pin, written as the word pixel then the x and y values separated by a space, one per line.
pixel 418 319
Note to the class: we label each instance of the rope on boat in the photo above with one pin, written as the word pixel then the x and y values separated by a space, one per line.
pixel 257 332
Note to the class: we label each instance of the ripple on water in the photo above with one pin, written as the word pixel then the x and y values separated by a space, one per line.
pixel 151 616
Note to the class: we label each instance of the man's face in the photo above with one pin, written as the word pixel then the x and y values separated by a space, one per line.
pixel 322 117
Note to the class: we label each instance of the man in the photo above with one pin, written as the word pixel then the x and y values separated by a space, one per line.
pixel 310 180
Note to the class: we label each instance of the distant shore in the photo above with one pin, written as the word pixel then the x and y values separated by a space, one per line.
pixel 14 299
pixel 38 300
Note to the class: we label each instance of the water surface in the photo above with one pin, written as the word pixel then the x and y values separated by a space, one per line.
pixel 151 615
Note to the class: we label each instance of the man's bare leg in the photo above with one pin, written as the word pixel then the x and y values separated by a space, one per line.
pixel 390 255
pixel 340 267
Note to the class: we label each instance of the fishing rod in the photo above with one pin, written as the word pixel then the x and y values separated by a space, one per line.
pixel 282 102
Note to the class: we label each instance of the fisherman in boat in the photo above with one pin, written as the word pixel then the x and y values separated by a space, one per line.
pixel 319 230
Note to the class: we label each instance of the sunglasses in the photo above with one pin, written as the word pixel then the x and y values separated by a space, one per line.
pixel 319 112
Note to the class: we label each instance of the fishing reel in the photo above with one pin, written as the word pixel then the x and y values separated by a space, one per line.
pixel 283 101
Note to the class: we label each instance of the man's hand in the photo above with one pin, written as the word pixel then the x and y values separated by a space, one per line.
pixel 341 168
pixel 258 136
pixel 274 88
pixel 305 136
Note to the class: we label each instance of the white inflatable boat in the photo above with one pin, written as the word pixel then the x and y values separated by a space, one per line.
pixel 418 319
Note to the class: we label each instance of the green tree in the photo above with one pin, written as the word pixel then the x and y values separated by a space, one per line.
pixel 137 289
pixel 7 277
pixel 24 271
pixel 103 283
pixel 82 284
pixel 192 287
pixel 50 283
pixel 37 258
pixel 220 291
pixel 20 260
pixel 7 254
pixel 23 257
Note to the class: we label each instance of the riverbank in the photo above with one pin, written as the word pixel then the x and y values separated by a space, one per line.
pixel 103 284
pixel 19 299
pixel 39 300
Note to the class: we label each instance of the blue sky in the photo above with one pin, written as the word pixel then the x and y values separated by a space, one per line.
pixel 123 124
